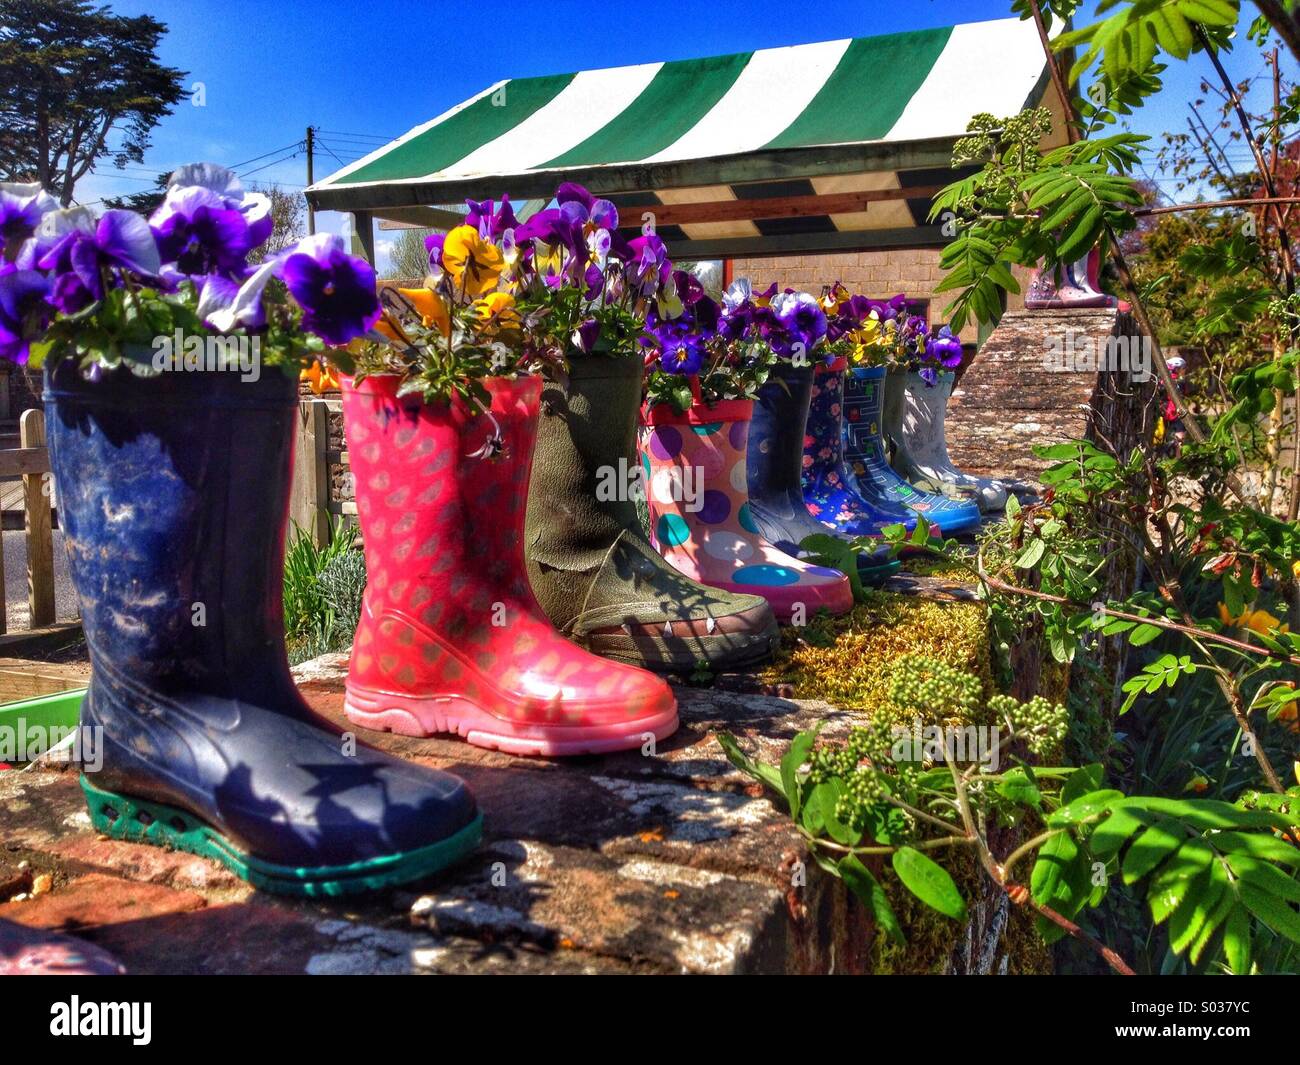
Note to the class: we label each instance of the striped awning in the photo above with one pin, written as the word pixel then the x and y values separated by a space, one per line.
pixel 834 145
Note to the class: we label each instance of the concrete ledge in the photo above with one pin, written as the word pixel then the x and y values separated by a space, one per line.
pixel 667 863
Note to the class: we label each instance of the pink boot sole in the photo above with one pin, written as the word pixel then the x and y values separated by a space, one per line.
pixel 409 715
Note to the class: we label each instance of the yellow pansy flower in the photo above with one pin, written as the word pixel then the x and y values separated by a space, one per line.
pixel 473 263
pixel 431 308
pixel 497 308
pixel 320 377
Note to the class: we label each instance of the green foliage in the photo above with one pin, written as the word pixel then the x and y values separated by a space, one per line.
pixel 1026 205
pixel 1219 876
pixel 70 72
pixel 322 592
pixel 729 371
pixel 121 329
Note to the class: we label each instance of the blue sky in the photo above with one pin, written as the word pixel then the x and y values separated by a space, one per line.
pixel 373 70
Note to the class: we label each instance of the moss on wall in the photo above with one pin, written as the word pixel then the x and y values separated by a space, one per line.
pixel 847 660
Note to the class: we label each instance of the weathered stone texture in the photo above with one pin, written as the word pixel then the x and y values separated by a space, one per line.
pixel 1023 389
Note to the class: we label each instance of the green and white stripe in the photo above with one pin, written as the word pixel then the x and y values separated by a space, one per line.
pixel 714 122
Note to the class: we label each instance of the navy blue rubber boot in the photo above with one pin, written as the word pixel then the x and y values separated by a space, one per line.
pixel 173 497
pixel 775 469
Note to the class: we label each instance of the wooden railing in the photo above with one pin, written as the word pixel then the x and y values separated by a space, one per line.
pixel 31 461
pixel 312 505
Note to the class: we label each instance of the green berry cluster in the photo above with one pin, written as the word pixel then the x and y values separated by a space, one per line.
pixel 1042 724
pixel 930 684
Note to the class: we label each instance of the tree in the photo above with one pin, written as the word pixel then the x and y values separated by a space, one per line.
pixel 287 210
pixel 144 203
pixel 409 258
pixel 69 74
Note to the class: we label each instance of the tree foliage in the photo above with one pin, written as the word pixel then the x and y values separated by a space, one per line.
pixel 77 84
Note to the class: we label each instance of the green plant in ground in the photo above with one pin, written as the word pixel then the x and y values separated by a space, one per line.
pixel 343 582
pixel 319 588
pixel 1221 876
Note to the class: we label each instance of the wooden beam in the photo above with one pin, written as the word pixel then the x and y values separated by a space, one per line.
pixel 808 243
pixel 310 489
pixel 684 214
pixel 772 164
pixel 419 218
pixel 19 461
pixel 37 492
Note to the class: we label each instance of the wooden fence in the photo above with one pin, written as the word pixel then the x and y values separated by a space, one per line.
pixel 322 491
pixel 31 461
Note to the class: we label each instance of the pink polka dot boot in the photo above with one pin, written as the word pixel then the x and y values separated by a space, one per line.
pixel 451 638
pixel 699 512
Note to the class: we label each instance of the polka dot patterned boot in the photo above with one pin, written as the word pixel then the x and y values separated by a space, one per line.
pixel 871 478
pixel 700 516
pixel 451 638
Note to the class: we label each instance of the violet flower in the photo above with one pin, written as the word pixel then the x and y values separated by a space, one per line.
pixel 24 312
pixel 684 356
pixel 335 290
pixel 801 316
pixel 22 206
pixel 944 348
pixel 490 218
pixel 200 234
pixel 79 258
pixel 586 335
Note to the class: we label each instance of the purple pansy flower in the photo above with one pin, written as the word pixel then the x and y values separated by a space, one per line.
pixel 683 356
pixel 22 206
pixel 490 218
pixel 24 312
pixel 802 319
pixel 335 290
pixel 649 264
pixel 434 242
pixel 586 335
pixel 78 258
pixel 944 348
pixel 208 224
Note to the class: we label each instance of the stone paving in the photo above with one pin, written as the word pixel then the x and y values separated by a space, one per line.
pixel 673 862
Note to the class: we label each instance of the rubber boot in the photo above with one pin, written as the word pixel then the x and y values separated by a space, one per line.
pixel 774 469
pixel 589 562
pixel 700 515
pixel 37 952
pixel 1076 284
pixel 173 497
pixel 451 638
pixel 828 487
pixel 870 478
pixel 914 426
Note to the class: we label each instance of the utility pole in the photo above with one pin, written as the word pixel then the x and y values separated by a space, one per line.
pixel 311 211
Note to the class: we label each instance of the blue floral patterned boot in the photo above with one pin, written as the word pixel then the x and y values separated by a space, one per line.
pixel 775 458
pixel 871 479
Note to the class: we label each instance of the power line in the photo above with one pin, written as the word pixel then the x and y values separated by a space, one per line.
pixel 273 151
pixel 358 136
pixel 273 162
